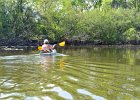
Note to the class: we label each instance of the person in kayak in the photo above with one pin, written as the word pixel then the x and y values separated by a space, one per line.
pixel 46 47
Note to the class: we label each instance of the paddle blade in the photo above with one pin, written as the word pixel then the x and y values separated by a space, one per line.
pixel 62 43
pixel 39 47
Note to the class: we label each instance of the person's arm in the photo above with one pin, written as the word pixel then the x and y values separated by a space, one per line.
pixel 53 46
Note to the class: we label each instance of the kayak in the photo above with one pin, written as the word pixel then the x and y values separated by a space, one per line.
pixel 43 53
pixel 53 53
pixel 49 53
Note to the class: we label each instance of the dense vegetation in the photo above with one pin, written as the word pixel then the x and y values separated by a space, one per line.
pixel 98 21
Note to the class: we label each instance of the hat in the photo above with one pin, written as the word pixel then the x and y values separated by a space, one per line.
pixel 46 41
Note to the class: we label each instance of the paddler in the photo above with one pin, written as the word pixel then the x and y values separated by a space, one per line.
pixel 46 47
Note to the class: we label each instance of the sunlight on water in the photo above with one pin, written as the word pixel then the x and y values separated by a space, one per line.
pixel 84 92
pixel 84 74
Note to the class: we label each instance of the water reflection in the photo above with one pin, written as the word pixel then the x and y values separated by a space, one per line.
pixel 86 74
pixel 85 92
pixel 61 64
pixel 47 61
pixel 50 60
pixel 62 93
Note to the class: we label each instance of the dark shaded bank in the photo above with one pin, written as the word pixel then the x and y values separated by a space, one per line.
pixel 18 42
pixel 35 43
pixel 98 42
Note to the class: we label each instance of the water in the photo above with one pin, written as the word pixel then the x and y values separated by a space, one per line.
pixel 84 74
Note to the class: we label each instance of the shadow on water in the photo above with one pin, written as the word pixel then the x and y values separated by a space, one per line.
pixel 86 74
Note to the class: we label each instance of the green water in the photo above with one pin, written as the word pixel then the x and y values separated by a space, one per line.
pixel 84 74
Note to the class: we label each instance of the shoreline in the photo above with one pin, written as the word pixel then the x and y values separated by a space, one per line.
pixel 9 48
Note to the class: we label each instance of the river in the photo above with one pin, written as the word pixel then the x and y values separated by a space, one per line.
pixel 79 73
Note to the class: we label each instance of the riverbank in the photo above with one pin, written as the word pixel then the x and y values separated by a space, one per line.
pixel 21 48
pixel 33 44
pixel 17 48
pixel 19 42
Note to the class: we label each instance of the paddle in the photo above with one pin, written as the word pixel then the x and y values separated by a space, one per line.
pixel 60 44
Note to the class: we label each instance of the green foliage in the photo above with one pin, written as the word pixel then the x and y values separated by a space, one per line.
pixel 130 34
pixel 109 21
pixel 106 5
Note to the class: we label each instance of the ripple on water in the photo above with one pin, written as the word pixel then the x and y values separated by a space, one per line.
pixel 12 96
pixel 93 96
pixel 89 76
